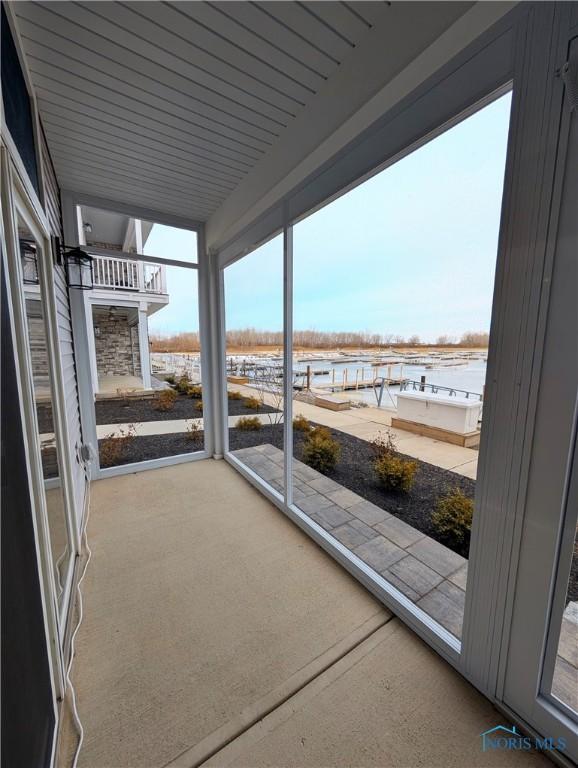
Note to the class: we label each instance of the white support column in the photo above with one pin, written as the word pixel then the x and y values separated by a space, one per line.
pixel 212 326
pixel 288 361
pixel 90 342
pixel 144 349
pixel 83 335
pixel 138 235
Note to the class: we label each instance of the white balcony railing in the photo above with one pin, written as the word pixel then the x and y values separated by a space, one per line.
pixel 125 275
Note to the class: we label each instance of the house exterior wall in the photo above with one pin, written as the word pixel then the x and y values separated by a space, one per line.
pixel 37 341
pixel 65 336
pixel 116 345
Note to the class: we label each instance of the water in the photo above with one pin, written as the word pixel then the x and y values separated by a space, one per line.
pixel 459 370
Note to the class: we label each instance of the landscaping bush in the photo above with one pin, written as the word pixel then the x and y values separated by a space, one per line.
pixel 248 424
pixel 199 406
pixel 253 403
pixel 111 449
pixel 301 424
pixel 234 395
pixel 194 432
pixel 170 379
pixel 320 450
pixel 165 400
pixel 452 518
pixel 384 444
pixel 183 384
pixel 394 472
pixel 320 433
pixel 195 392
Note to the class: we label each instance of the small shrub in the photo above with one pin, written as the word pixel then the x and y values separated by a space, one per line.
pixel 394 472
pixel 199 406
pixel 195 392
pixel 384 444
pixel 452 518
pixel 253 403
pixel 248 424
pixel 113 447
pixel 165 400
pixel 194 431
pixel 320 433
pixel 301 424
pixel 170 379
pixel 182 384
pixel 320 450
pixel 232 395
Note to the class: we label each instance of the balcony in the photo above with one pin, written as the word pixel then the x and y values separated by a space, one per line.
pixel 125 275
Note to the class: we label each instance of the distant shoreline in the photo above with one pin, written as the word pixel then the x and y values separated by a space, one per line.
pixel 268 349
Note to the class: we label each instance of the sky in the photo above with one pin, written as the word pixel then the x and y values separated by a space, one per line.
pixel 182 312
pixel 410 251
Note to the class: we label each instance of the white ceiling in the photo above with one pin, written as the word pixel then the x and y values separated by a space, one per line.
pixel 170 105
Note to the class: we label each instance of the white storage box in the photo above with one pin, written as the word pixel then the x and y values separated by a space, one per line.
pixel 455 414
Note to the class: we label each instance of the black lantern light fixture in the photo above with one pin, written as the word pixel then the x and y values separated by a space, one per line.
pixel 78 265
pixel 29 258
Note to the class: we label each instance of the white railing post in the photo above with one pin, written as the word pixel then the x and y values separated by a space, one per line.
pixel 140 286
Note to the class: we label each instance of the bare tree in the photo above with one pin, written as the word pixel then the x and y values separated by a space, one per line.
pixel 268 382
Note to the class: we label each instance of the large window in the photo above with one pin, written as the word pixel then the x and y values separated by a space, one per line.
pixel 392 295
pixel 144 338
pixel 254 361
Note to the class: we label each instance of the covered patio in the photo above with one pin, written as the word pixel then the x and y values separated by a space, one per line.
pixel 217 633
pixel 192 576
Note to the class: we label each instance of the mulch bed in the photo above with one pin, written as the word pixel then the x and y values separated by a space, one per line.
pixel 133 410
pixel 147 447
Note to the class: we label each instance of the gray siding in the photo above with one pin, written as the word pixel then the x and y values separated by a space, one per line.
pixel 64 324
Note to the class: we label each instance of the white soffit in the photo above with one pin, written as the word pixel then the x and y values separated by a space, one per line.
pixel 398 55
pixel 169 106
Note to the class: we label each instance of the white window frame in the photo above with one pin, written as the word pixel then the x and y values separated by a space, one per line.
pixel 82 326
pixel 16 202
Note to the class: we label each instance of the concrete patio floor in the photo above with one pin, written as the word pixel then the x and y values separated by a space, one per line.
pixel 216 632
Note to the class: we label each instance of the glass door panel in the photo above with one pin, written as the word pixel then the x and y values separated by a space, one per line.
pixel 393 290
pixel 254 361
pixel 31 256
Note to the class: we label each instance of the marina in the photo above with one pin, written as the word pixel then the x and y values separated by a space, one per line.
pixel 369 377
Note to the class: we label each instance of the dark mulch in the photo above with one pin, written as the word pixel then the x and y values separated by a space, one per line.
pixel 573 580
pixel 133 410
pixel 149 447
pixel 44 416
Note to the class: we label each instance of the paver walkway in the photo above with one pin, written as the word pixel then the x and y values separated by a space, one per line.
pixel 431 575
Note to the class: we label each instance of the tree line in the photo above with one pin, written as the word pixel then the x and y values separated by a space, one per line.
pixel 251 338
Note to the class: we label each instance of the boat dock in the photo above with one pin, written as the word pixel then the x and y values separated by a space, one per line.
pixel 350 379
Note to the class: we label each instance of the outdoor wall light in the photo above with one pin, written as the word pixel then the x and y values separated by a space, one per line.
pixel 29 258
pixel 78 265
